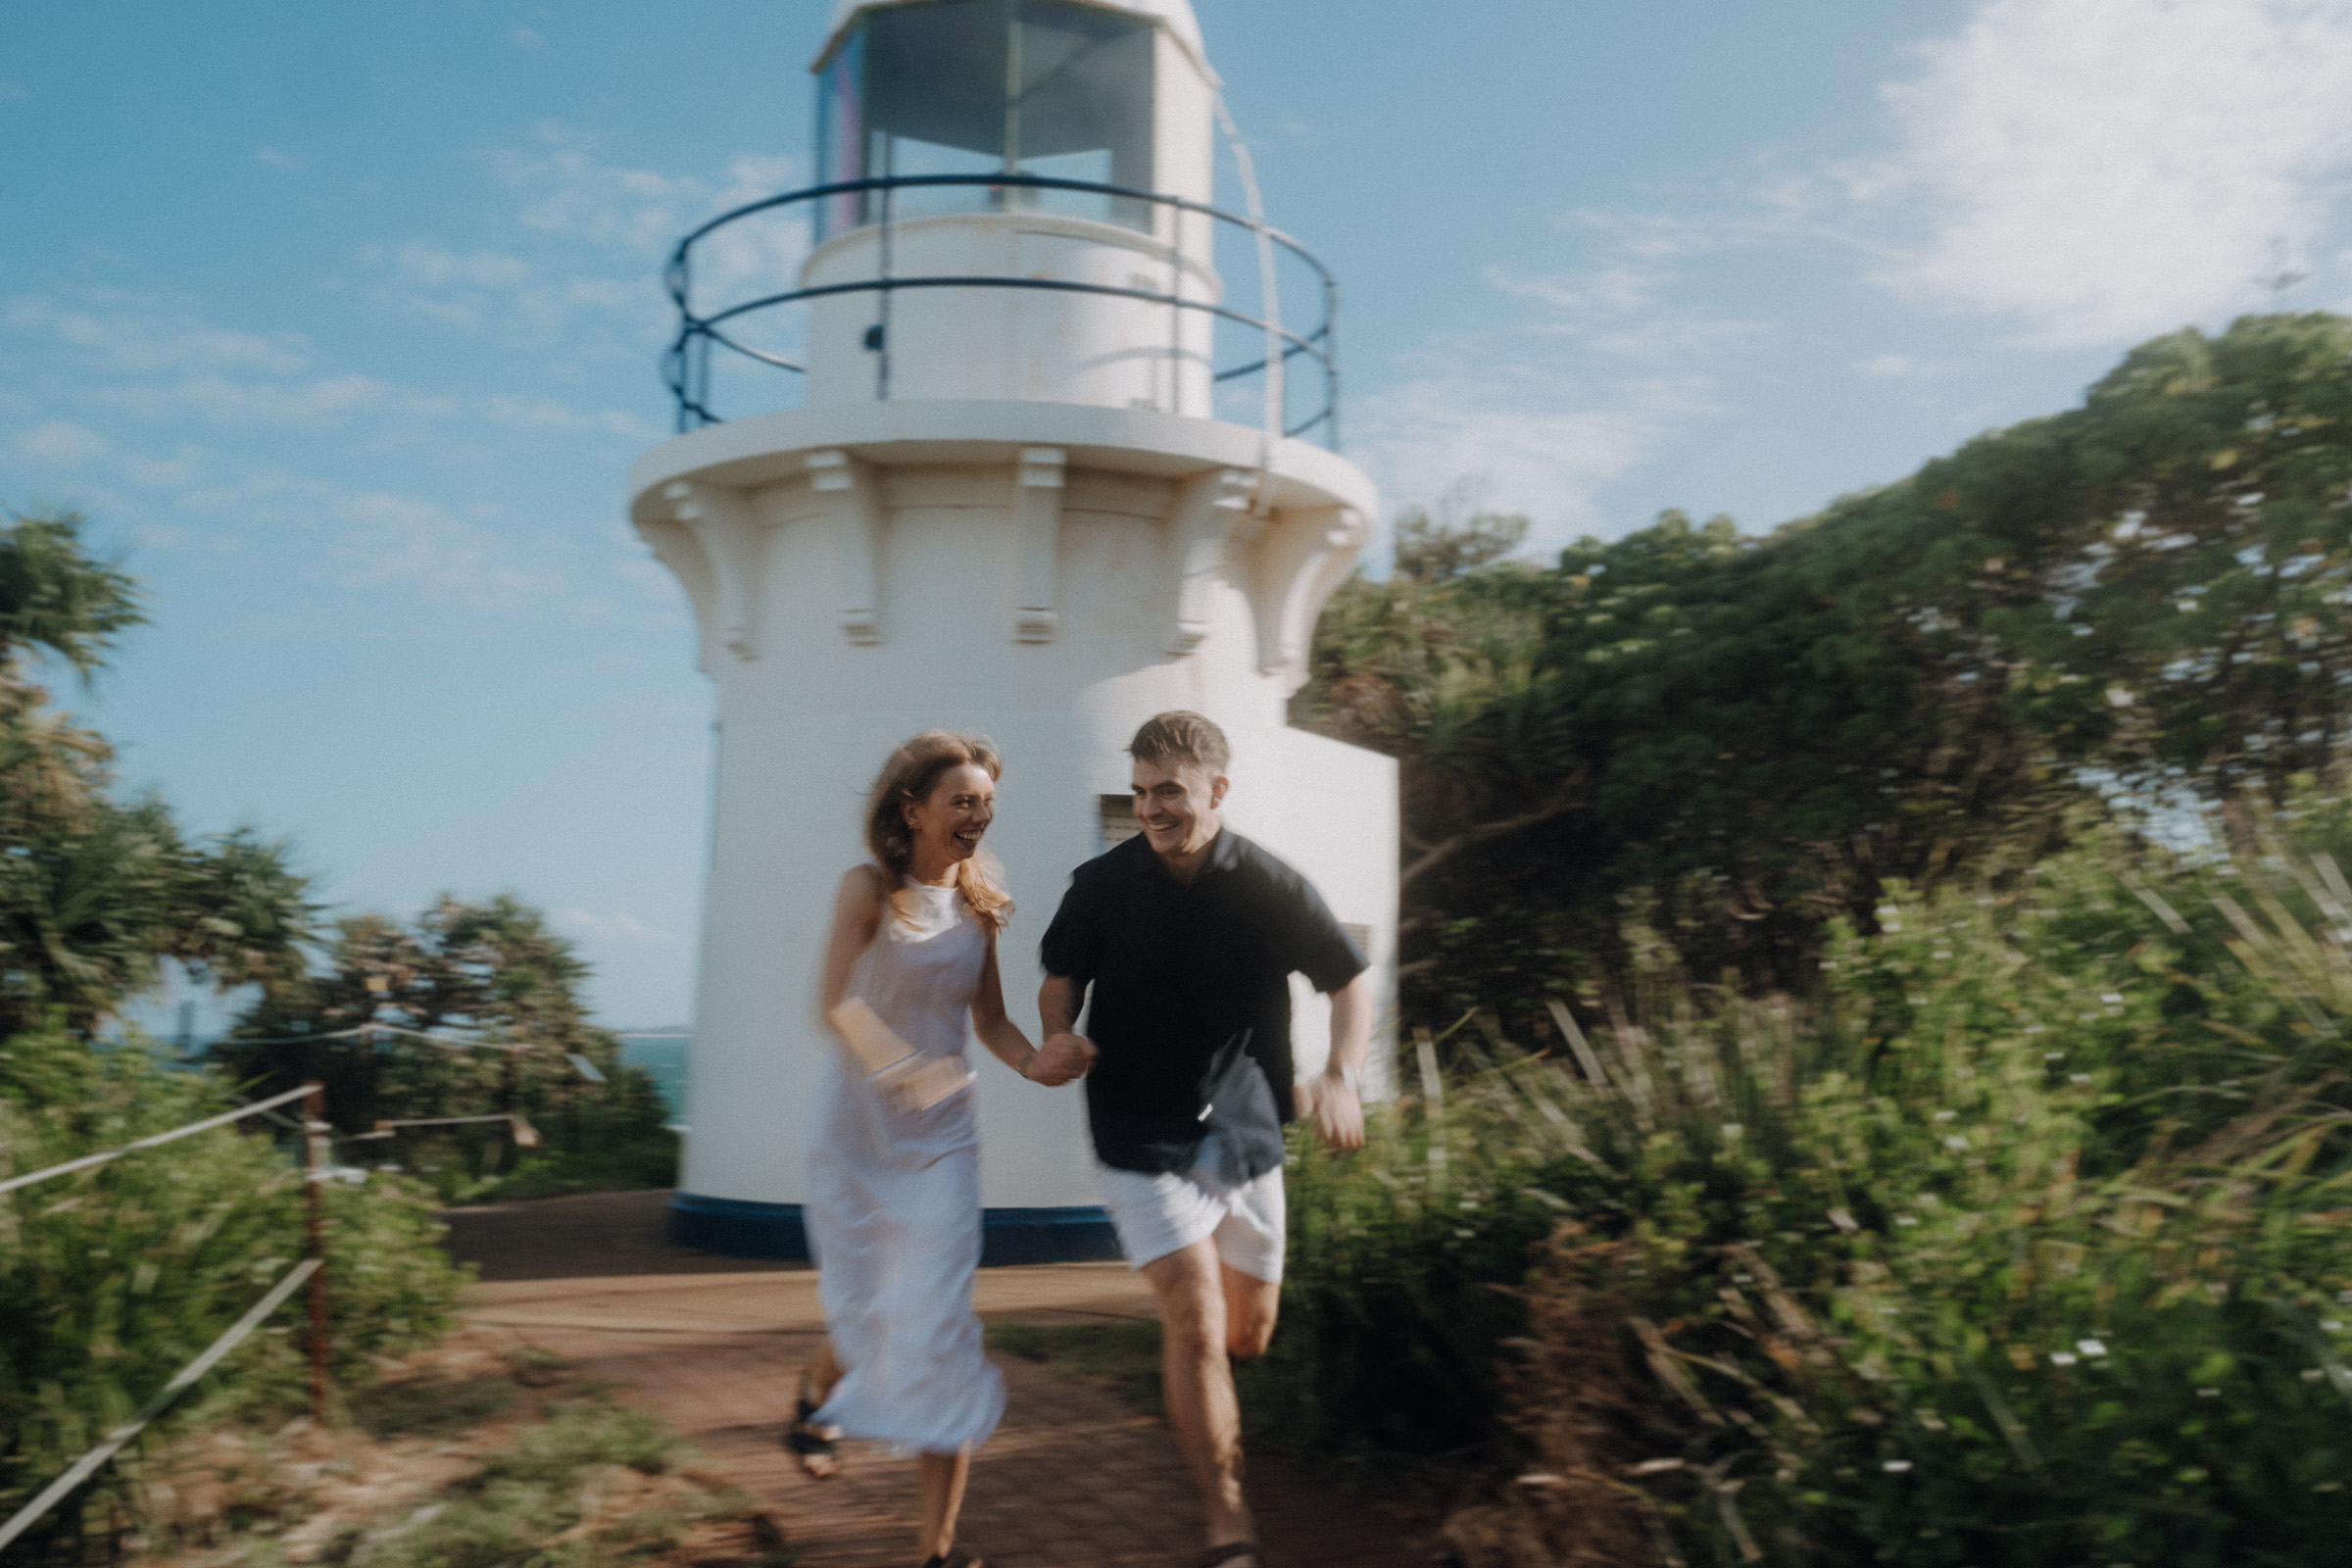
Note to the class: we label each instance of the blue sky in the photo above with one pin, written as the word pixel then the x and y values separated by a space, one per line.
pixel 340 323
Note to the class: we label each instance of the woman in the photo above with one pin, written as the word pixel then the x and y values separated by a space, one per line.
pixel 894 1178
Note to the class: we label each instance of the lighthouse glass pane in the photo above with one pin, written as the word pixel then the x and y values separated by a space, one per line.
pixel 1082 108
pixel 840 134
pixel 979 87
pixel 935 76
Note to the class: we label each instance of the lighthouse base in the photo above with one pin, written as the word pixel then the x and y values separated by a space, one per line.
pixel 736 1227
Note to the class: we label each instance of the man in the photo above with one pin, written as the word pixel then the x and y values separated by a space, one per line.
pixel 1187 935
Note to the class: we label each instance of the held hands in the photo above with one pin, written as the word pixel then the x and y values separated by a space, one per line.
pixel 1062 1058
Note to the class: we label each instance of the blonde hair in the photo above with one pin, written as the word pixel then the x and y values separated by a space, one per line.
pixel 907 779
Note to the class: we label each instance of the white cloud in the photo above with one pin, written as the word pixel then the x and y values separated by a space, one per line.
pixel 60 442
pixel 2103 172
pixel 1606 364
pixel 316 403
pixel 499 291
pixel 532 414
pixel 569 192
pixel 527 38
pixel 13 92
pixel 137 338
pixel 421 262
pixel 1533 443
pixel 613 929
pixel 270 157
pixel 592 235
pixel 382 538
pixel 184 468
pixel 392 538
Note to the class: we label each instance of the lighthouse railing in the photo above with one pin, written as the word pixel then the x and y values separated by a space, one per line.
pixel 686 363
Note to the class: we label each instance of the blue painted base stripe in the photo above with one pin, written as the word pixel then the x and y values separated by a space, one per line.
pixel 739 1227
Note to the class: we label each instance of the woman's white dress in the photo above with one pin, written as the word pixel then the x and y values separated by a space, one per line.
pixel 894 1201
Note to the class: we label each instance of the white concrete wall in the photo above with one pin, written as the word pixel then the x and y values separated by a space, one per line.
pixel 1025 345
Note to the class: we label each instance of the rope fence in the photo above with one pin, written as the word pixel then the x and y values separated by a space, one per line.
pixel 88 1161
pixel 318 1136
pixel 312 1270
pixel 88 1465
pixel 526 1136
pixel 445 1042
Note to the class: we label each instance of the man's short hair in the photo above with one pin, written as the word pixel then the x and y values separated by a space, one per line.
pixel 1180 736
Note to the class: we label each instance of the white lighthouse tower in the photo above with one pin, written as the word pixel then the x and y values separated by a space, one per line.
pixel 1007 506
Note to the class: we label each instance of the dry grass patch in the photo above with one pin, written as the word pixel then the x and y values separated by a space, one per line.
pixel 479 1452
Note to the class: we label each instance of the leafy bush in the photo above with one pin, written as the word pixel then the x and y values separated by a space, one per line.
pixel 118 1277
pixel 1392 1303
pixel 2025 1242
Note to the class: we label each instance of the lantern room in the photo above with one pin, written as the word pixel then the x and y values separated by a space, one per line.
pixel 1035 139
pixel 1044 88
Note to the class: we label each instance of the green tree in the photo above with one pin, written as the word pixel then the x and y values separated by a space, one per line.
pixel 490 972
pixel 96 893
pixel 2136 600
pixel 1439 543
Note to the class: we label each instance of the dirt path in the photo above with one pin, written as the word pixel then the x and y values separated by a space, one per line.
pixel 1074 1478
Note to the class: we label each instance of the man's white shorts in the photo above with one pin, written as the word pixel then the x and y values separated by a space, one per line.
pixel 1155 1215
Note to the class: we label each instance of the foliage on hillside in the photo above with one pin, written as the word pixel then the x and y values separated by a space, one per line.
pixel 2144 597
pixel 492 971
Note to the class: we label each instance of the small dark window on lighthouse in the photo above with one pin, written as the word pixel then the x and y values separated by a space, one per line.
pixel 1119 820
pixel 1040 88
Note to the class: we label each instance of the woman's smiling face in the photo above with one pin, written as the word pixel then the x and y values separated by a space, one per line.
pixel 951 821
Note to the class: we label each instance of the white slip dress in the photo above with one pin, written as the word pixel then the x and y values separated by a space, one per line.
pixel 893 1210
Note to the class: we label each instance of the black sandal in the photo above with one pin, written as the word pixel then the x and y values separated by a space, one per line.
pixel 1223 1554
pixel 806 1441
pixel 955 1559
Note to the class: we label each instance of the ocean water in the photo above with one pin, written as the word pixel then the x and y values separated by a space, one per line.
pixel 664 1056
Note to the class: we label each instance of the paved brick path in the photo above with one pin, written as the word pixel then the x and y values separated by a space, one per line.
pixel 1074 1478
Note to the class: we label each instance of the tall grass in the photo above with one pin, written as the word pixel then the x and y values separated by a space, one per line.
pixel 2024 1242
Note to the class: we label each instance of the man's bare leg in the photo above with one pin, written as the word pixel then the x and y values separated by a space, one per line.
pixel 939 1484
pixel 1251 1305
pixel 1196 1381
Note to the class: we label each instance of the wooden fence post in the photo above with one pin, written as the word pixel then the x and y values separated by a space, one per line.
pixel 315 1130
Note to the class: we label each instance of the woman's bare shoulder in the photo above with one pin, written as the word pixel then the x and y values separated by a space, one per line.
pixel 864 884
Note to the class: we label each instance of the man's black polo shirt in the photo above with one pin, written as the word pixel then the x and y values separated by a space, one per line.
pixel 1180 970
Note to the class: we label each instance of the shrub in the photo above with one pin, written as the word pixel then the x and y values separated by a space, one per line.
pixel 2023 1241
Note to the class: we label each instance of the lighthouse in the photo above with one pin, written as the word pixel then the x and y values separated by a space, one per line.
pixel 1043 480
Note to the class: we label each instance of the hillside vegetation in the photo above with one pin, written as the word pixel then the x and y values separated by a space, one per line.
pixel 1883 994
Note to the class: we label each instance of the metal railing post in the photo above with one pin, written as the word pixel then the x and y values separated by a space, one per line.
pixel 1331 360
pixel 699 336
pixel 314 1131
